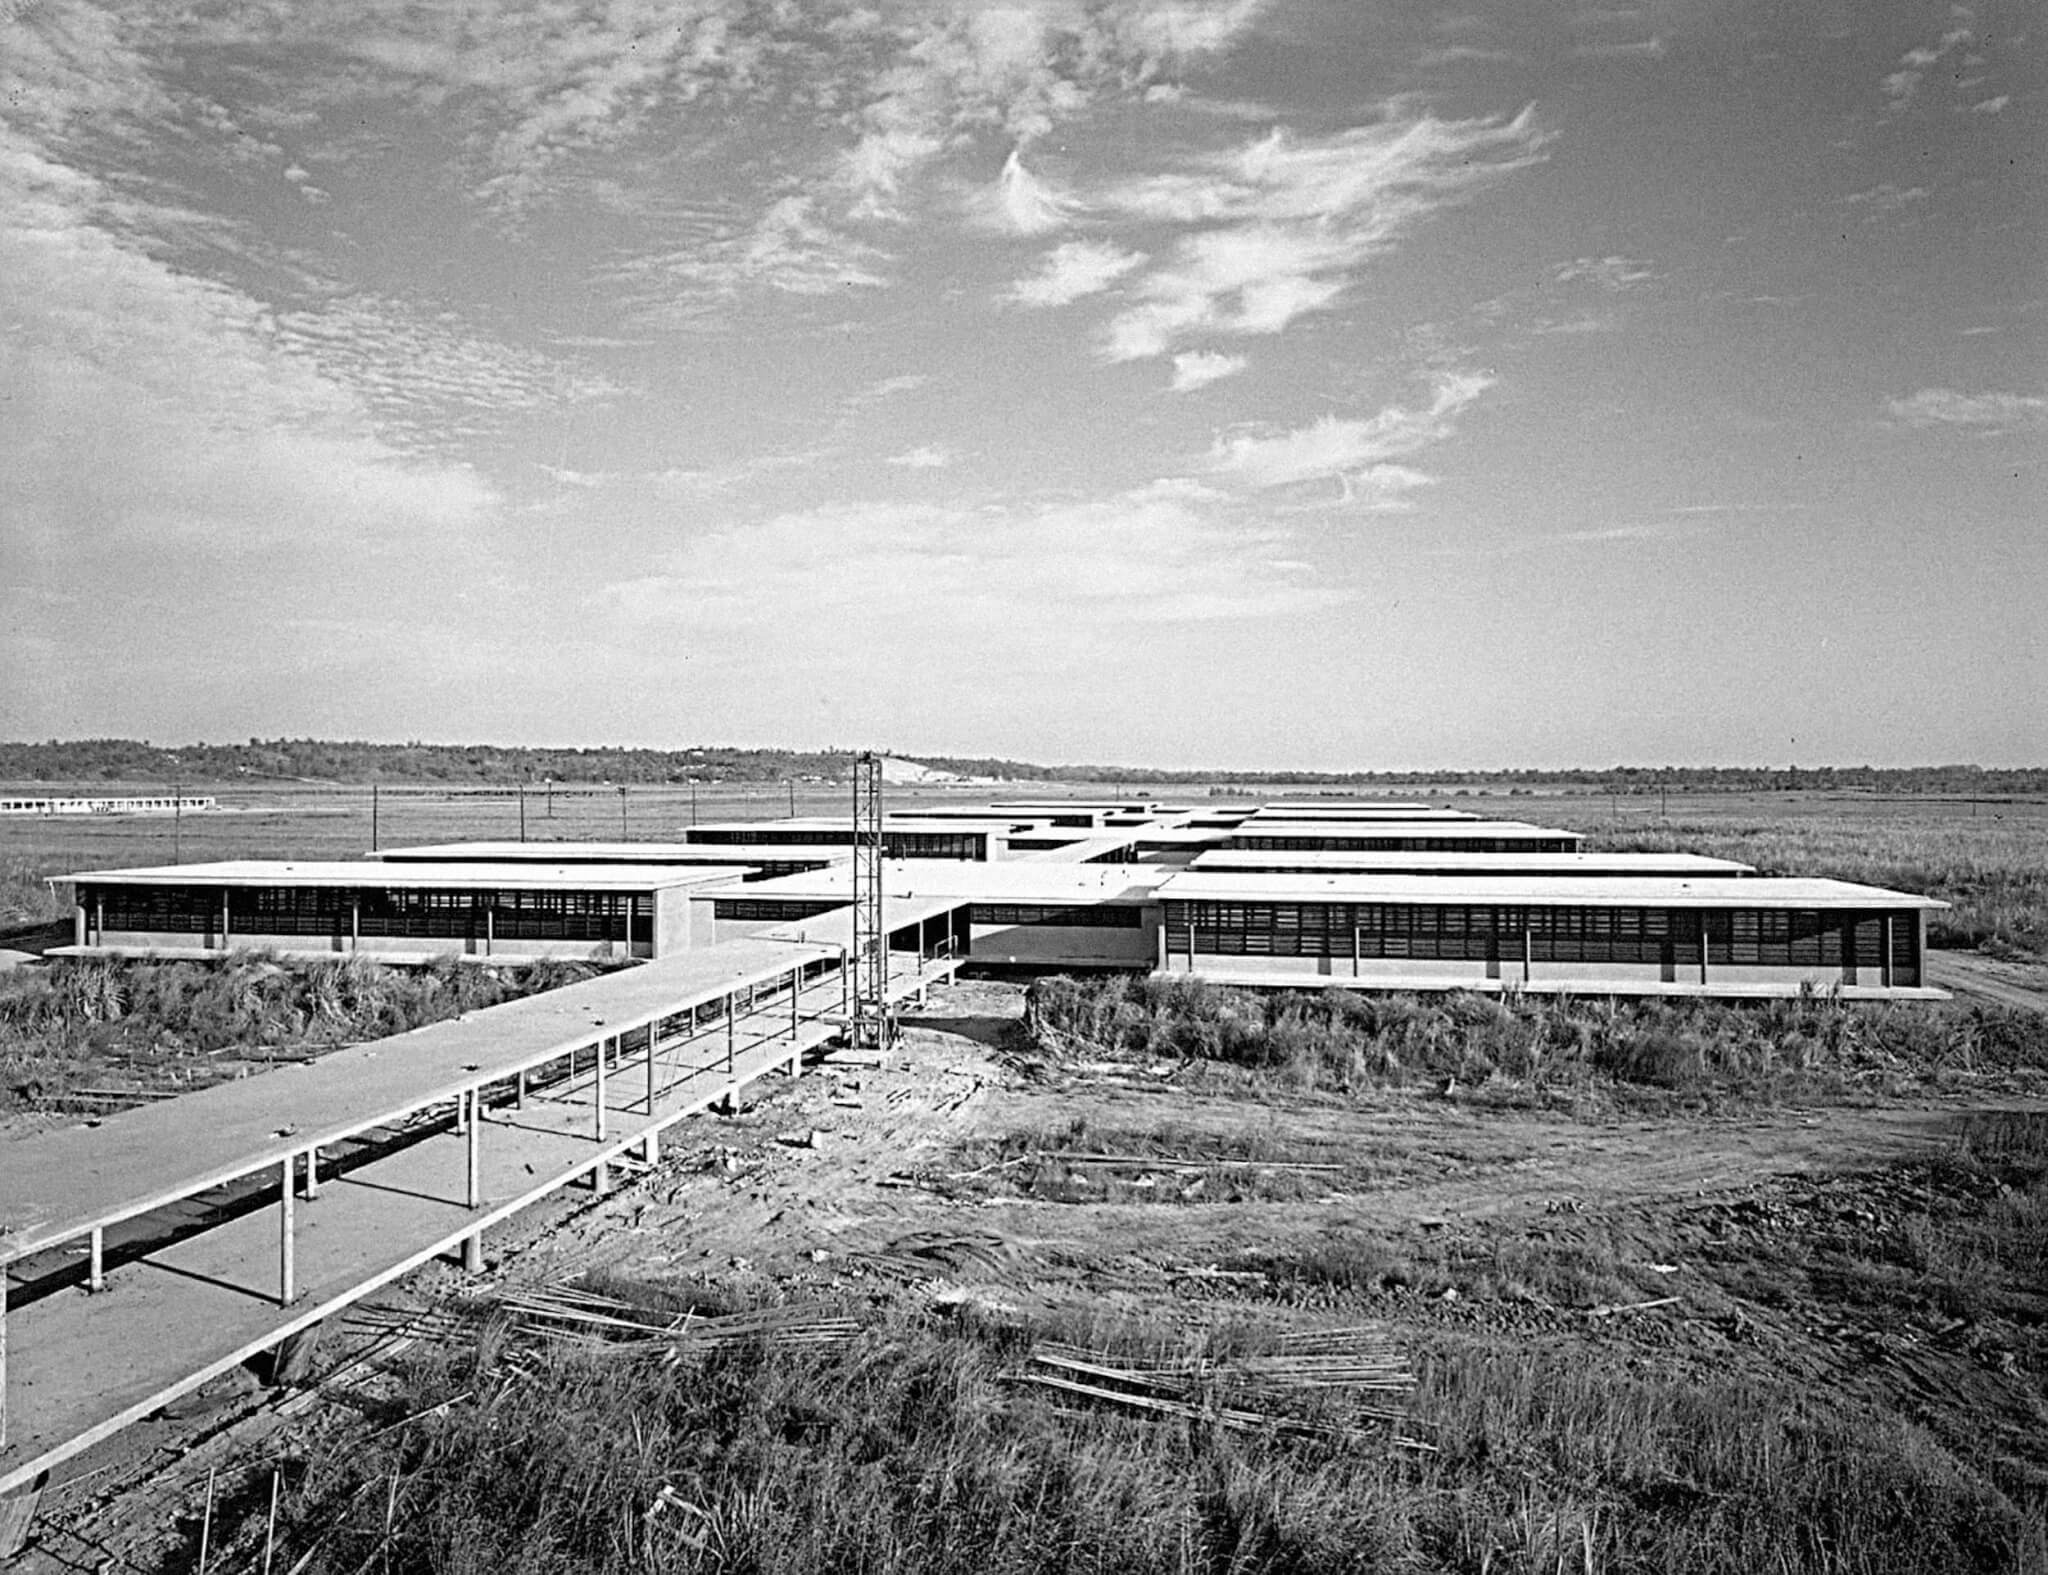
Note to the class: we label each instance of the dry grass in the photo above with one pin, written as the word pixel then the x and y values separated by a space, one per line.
pixel 911 1450
pixel 167 1026
pixel 1647 1053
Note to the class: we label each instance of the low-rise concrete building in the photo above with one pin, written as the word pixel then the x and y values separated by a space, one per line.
pixel 395 912
pixel 1612 936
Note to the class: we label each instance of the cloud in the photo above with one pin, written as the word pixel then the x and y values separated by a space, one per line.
pixel 1886 198
pixel 175 463
pixel 1991 412
pixel 1154 556
pixel 1025 205
pixel 1281 226
pixel 1638 49
pixel 926 456
pixel 788 248
pixel 962 66
pixel 1356 452
pixel 1609 273
pixel 424 376
pixel 1074 269
pixel 1902 86
pixel 1991 106
pixel 1195 369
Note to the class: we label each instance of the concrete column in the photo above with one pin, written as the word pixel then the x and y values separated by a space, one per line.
pixel 597 1089
pixel 313 1172
pixel 96 1269
pixel 1884 939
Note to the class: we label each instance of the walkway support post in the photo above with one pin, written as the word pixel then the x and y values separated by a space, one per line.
pixel 598 1087
pixel 475 1190
pixel 313 1172
pixel 653 1039
pixel 96 1273
pixel 287 1269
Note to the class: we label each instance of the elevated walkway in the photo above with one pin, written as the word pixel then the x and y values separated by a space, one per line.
pixel 152 1251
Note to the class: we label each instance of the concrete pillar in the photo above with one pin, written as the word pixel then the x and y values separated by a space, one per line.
pixel 96 1268
pixel 597 1089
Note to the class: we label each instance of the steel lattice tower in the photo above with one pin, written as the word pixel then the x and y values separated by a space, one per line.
pixel 869 1025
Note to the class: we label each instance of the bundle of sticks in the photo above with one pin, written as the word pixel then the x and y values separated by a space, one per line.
pixel 1259 1392
pixel 627 1327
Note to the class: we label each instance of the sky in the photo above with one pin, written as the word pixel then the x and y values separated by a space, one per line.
pixel 1331 384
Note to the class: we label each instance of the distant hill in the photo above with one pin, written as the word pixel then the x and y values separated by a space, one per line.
pixel 322 760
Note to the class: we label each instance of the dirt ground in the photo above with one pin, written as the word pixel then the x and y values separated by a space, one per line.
pixel 892 1176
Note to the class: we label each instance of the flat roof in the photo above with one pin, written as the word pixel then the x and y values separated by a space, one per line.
pixel 1338 803
pixel 1089 845
pixel 843 823
pixel 1395 828
pixel 603 853
pixel 403 876
pixel 1324 817
pixel 1537 891
pixel 1010 880
pixel 1373 861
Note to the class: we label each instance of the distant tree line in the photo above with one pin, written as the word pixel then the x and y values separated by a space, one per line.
pixel 335 761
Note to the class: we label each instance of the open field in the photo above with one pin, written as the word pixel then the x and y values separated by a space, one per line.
pixel 1680 1286
pixel 1768 1335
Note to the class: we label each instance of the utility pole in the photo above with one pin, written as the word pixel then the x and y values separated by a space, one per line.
pixel 792 798
pixel 177 823
pixel 622 812
pixel 522 812
pixel 373 817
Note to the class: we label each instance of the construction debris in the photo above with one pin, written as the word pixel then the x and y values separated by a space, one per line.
pixel 625 1328
pixel 1249 1393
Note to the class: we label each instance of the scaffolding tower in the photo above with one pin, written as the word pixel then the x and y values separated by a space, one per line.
pixel 870 1025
